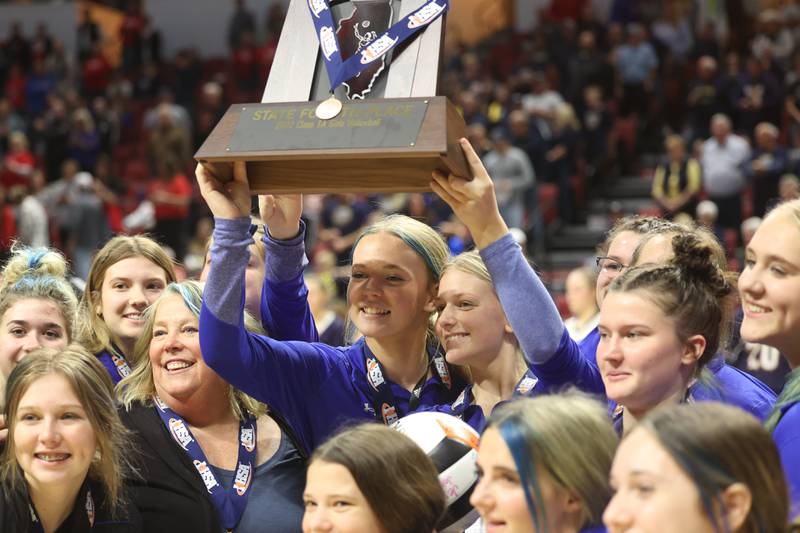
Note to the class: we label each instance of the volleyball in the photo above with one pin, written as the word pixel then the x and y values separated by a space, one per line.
pixel 452 445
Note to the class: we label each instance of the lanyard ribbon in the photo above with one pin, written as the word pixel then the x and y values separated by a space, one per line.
pixel 384 402
pixel 524 387
pixel 340 70
pixel 230 503
pixel 112 359
pixel 36 524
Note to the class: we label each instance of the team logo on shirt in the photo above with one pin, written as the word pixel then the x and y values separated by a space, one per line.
pixel 376 50
pixel 90 508
pixel 389 414
pixel 180 432
pixel 248 438
pixel 424 15
pixel 317 6
pixel 242 480
pixel 206 474
pixel 327 40
pixel 527 384
pixel 374 374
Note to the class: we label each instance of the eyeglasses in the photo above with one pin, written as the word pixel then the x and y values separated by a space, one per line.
pixel 609 266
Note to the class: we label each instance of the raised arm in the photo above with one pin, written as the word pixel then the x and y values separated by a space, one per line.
pixel 285 313
pixel 528 306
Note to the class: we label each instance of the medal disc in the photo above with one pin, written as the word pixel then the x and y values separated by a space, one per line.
pixel 329 108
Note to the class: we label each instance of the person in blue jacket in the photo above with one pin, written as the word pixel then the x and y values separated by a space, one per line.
pixel 769 288
pixel 393 369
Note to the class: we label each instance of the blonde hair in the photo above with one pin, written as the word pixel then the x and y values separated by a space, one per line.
pixel 39 273
pixel 424 240
pixel 566 437
pixel 93 331
pixel 139 385
pixel 92 385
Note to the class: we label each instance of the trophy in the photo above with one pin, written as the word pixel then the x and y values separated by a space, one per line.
pixel 350 104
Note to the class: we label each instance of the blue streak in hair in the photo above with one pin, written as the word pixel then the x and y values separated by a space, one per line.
pixel 523 457
pixel 36 257
pixel 186 295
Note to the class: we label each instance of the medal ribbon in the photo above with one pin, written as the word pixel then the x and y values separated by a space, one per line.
pixel 113 359
pixel 340 70
pixel 89 506
pixel 524 387
pixel 230 503
pixel 384 402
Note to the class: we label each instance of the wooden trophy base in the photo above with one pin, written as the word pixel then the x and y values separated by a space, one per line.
pixel 382 145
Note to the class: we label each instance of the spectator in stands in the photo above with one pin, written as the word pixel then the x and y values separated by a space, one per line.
pixel 596 124
pixel 513 174
pixel 525 132
pixel 581 301
pixel 84 140
pixel 166 101
pixel 705 98
pixel 33 225
pixel 673 31
pixel 17 46
pixel 57 199
pixel 89 225
pixel 10 121
pixel 241 21
pixel 757 97
pixel 89 34
pixel 96 73
pixel 37 86
pixel 676 183
pixel 542 101
pixel 171 194
pixel 636 63
pixel 55 130
pixel 560 156
pixel 168 140
pixel 588 67
pixel 130 33
pixel 19 163
pixel 707 214
pixel 107 124
pixel 245 67
pixel 773 37
pixel 767 164
pixel 723 155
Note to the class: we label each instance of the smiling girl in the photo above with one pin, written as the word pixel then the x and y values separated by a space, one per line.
pixel 392 370
pixel 65 462
pixel 769 288
pixel 543 465
pixel 126 276
pixel 37 305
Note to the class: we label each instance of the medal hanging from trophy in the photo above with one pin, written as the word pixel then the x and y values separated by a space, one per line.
pixel 366 36
pixel 328 109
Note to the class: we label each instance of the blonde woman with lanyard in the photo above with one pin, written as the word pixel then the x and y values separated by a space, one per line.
pixel 392 370
pixel 211 457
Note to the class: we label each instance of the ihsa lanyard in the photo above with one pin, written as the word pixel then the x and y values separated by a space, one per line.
pixel 89 505
pixel 384 402
pixel 112 359
pixel 523 388
pixel 230 503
